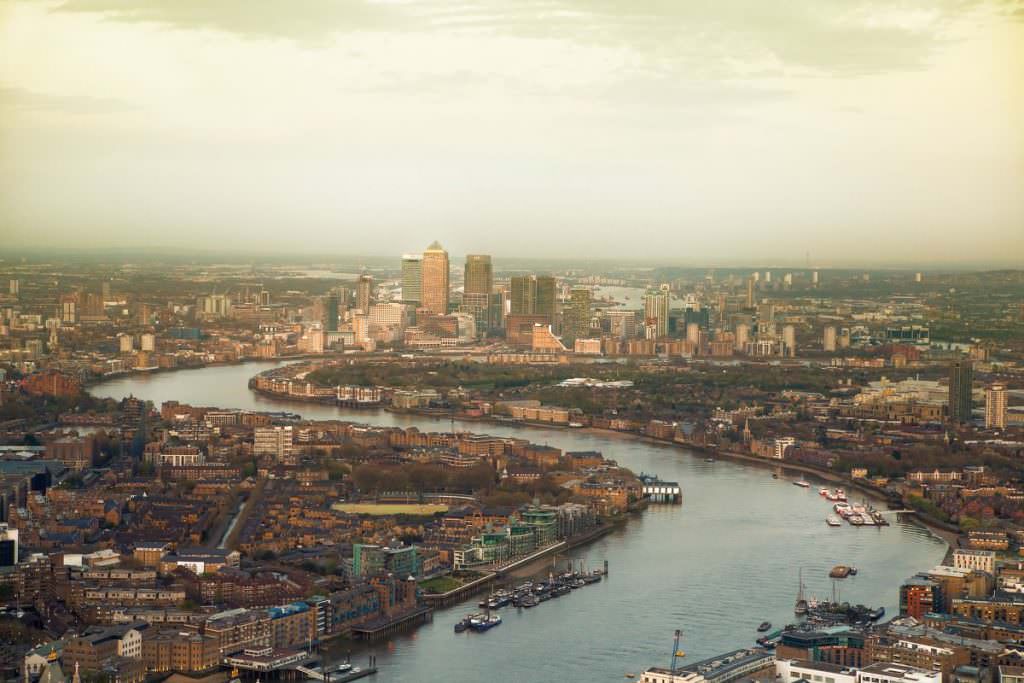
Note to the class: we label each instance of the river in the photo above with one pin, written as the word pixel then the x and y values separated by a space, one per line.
pixel 715 566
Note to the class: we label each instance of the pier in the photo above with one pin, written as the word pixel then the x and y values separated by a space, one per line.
pixel 376 629
pixel 658 491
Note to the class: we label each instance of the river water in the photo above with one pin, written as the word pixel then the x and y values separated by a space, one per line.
pixel 715 566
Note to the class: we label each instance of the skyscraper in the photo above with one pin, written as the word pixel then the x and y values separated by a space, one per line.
pixel 750 292
pixel 524 295
pixel 547 297
pixel 331 312
pixel 412 278
pixel 995 407
pixel 434 288
pixel 477 289
pixel 961 377
pixel 364 293
pixel 577 316
pixel 656 309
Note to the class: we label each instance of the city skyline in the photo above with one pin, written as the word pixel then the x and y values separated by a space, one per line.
pixel 699 132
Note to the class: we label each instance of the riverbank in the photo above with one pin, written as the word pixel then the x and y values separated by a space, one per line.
pixel 716 566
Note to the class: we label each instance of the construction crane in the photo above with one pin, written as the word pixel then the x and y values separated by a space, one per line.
pixel 676 652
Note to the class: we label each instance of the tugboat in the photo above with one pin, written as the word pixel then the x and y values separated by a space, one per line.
pixel 765 625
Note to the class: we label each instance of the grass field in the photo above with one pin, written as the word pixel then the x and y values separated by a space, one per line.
pixel 389 508
pixel 440 584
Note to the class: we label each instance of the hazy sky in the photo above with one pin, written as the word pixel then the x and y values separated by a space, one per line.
pixel 683 130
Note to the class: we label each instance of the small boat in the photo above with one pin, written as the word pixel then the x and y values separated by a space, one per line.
pixel 486 623
pixel 822 492
pixel 765 642
pixel 832 520
pixel 765 625
pixel 529 600
pixel 775 475
pixel 840 571
pixel 802 483
pixel 709 459
pixel 800 607
pixel 853 571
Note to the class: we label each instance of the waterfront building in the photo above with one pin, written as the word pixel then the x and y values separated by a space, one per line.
pixel 982 560
pixel 368 560
pixel 961 379
pixel 435 274
pixel 995 407
pixel 725 668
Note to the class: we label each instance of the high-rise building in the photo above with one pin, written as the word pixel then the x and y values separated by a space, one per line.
pixel 330 320
pixel 8 546
pixel 621 324
pixel 789 340
pixel 364 292
pixel 995 407
pixel 577 316
pixel 961 378
pixel 814 278
pixel 656 306
pixel 15 287
pixel 477 288
pixel 412 278
pixel 547 296
pixel 273 441
pixel 742 336
pixel 750 292
pixel 434 288
pixel 524 295
pixel 693 334
pixel 828 339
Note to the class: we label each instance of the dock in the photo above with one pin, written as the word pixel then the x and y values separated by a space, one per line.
pixel 657 491
pixel 377 629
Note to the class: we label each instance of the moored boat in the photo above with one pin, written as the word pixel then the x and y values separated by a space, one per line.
pixel 832 520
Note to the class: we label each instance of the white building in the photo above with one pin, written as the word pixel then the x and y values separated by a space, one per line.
pixel 273 441
pixel 147 342
pixel 983 560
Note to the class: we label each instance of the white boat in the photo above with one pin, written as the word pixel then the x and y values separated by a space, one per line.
pixel 802 483
pixel 822 492
pixel 832 520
